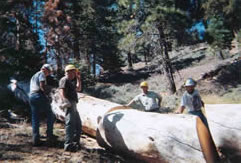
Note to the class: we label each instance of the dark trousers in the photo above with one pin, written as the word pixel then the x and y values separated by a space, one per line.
pixel 40 103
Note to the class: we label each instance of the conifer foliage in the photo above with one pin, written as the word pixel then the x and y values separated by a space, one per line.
pixel 108 32
pixel 19 44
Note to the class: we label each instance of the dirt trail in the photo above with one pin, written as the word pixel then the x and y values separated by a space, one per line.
pixel 15 146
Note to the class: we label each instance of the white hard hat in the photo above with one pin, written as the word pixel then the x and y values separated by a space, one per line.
pixel 190 82
pixel 47 66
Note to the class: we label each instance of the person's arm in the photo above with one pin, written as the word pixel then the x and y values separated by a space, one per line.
pixel 79 84
pixel 43 87
pixel 62 94
pixel 62 84
pixel 202 103
pixel 159 100
pixel 159 103
pixel 180 110
pixel 182 107
pixel 131 102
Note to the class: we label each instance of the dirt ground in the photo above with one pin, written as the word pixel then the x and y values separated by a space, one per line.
pixel 15 146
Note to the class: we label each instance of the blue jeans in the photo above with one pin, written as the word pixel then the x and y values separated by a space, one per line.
pixel 200 114
pixel 73 126
pixel 40 103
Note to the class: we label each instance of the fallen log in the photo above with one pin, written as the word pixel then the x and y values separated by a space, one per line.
pixel 156 137
pixel 150 137
pixel 225 125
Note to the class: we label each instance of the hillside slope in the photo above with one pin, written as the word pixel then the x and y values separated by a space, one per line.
pixel 219 81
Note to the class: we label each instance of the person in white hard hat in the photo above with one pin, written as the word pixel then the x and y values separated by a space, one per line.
pixel 191 100
pixel 149 99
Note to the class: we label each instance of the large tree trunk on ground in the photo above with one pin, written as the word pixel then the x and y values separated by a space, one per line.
pixel 156 137
pixel 225 125
pixel 151 137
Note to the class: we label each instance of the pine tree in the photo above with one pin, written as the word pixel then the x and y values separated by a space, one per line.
pixel 89 33
pixel 218 36
pixel 19 47
pixel 227 15
pixel 162 23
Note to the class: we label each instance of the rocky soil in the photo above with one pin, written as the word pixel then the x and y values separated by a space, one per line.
pixel 15 146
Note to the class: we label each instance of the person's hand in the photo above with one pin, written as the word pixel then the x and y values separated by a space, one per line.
pixel 78 74
pixel 177 112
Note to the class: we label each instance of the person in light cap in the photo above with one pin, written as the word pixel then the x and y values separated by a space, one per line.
pixel 149 99
pixel 48 67
pixel 191 100
pixel 69 85
pixel 39 102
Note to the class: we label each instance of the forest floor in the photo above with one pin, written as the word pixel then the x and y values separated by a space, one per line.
pixel 219 81
pixel 16 146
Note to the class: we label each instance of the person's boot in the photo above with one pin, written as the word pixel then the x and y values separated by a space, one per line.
pixel 77 145
pixel 37 142
pixel 51 140
pixel 70 148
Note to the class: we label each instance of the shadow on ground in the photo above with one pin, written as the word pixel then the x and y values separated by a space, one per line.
pixel 184 63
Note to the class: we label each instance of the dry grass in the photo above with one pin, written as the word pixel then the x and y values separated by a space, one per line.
pixel 226 99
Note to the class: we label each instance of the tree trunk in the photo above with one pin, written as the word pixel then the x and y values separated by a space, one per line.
pixel 166 62
pixel 17 33
pixel 156 137
pixel 220 54
pixel 94 64
pixel 119 128
pixel 58 64
pixel 130 65
pixel 168 70
pixel 76 48
pixel 87 59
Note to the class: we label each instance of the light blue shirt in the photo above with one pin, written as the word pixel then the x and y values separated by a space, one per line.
pixel 35 82
pixel 191 101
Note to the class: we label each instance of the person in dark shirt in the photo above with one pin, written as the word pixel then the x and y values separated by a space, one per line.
pixel 69 85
